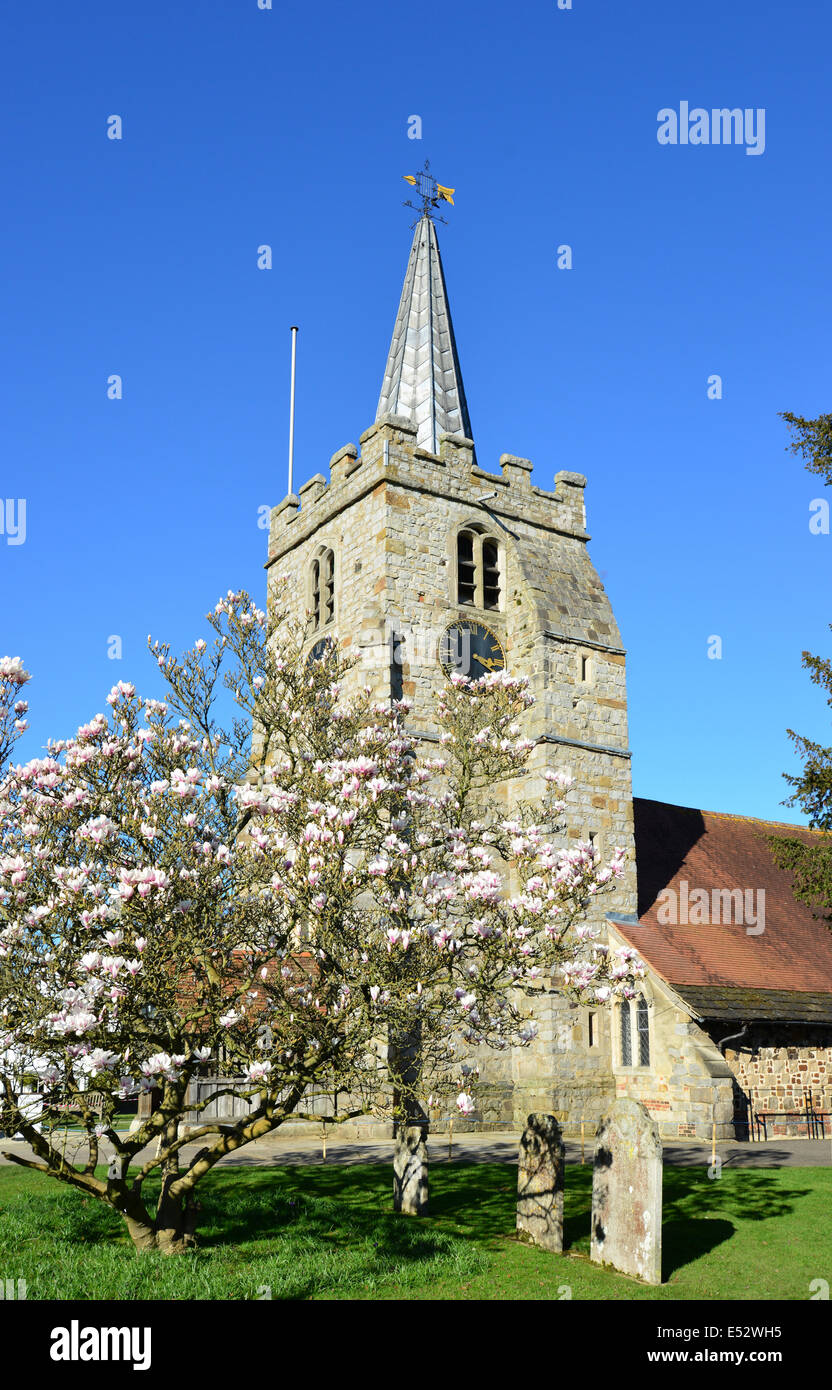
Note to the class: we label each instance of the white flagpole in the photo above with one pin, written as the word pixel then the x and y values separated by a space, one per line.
pixel 294 332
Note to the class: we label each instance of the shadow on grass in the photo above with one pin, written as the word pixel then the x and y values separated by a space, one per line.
pixel 744 1193
pixel 346 1212
pixel 478 1200
pixel 342 1213
pixel 686 1240
pixel 303 1234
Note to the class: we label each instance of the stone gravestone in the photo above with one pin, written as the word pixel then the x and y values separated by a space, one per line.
pixel 627 1193
pixel 410 1170
pixel 540 1182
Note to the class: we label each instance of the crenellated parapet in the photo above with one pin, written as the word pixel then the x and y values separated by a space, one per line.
pixel 389 452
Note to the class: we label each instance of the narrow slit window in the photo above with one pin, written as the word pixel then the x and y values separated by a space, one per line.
pixel 316 593
pixel 585 670
pixel 626 1035
pixel 591 1030
pixel 329 586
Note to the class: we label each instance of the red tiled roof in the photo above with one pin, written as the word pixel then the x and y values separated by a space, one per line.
pixel 709 850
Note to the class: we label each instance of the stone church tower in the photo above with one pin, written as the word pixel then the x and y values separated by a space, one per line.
pixel 419 561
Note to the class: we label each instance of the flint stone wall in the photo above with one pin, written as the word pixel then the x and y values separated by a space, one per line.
pixel 776 1066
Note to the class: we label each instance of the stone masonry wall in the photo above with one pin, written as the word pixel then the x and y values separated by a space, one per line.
pixel 559 1073
pixel 777 1064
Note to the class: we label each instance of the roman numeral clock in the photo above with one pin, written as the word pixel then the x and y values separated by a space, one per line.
pixel 470 648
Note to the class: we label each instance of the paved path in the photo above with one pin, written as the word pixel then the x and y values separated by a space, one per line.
pixel 491 1148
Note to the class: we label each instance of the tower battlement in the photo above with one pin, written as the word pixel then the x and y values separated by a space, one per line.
pixel 389 452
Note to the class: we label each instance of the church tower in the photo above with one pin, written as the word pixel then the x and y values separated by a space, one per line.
pixel 420 562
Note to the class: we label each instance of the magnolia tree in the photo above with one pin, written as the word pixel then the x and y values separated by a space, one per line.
pixel 296 899
pixel 12 709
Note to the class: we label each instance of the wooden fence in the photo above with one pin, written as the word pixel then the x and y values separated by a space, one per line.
pixel 228 1108
pixel 224 1107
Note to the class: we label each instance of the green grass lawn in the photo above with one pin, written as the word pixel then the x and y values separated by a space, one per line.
pixel 328 1233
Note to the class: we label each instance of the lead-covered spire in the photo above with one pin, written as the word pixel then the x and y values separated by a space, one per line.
pixel 422 379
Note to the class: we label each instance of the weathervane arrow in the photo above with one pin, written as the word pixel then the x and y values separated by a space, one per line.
pixel 430 192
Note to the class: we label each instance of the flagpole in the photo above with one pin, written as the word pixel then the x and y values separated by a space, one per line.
pixel 294 333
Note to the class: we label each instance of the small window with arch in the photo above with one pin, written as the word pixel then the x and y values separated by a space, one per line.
pixel 477 568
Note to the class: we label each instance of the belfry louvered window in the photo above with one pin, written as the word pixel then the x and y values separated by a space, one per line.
pixel 490 575
pixel 477 569
pixel 626 1035
pixel 466 568
pixel 323 589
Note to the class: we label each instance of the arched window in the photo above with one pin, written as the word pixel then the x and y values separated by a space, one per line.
pixel 626 1034
pixel 477 568
pixel 323 589
pixel 643 1030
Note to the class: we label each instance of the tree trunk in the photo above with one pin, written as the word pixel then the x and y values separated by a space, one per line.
pixel 171 1232
pixel 175 1221
pixel 142 1235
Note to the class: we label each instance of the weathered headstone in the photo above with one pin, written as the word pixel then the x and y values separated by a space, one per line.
pixel 627 1193
pixel 410 1170
pixel 540 1182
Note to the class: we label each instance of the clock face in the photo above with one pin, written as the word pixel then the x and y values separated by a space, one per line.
pixel 319 651
pixel 471 649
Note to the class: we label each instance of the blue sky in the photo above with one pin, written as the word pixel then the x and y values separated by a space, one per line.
pixel 288 126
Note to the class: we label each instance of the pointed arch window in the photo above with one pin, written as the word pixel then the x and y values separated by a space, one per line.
pixel 478 580
pixel 323 589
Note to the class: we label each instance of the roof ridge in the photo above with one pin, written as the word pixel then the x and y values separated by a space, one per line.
pixel 734 815
pixel 757 820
